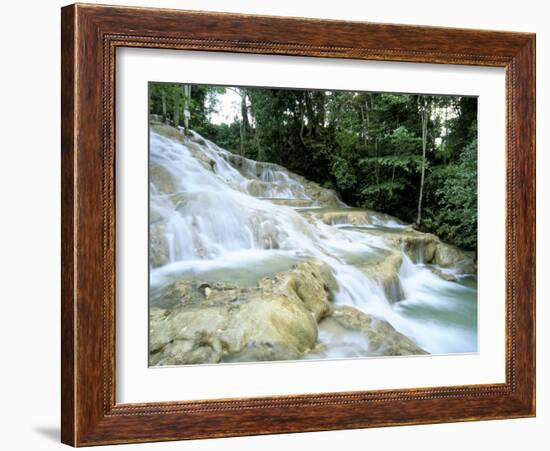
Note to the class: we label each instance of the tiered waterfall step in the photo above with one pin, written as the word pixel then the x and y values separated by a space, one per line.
pixel 292 202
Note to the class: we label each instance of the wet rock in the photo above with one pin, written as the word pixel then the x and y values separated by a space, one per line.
pixel 259 188
pixel 199 155
pixel 245 166
pixel 385 271
pixel 191 142
pixel 205 290
pixel 322 197
pixel 266 232
pixel 155 118
pixel 275 320
pixel 155 213
pixel 313 283
pixel 289 202
pixel 169 132
pixel 419 247
pixel 448 256
pixel 345 216
pixel 264 327
pixel 427 248
pixel 265 185
pixel 197 139
pixel 328 198
pixel 158 245
pixel 444 273
pixel 350 216
pixel 161 179
pixel 193 293
pixel 381 337
pixel 275 180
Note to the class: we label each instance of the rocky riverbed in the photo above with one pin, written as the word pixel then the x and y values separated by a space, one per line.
pixel 250 262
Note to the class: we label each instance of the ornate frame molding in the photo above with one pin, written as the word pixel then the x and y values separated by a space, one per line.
pixel 90 36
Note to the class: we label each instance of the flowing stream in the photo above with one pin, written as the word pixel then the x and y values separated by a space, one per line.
pixel 233 220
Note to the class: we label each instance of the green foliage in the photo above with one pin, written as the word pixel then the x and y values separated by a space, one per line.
pixel 344 173
pixel 367 146
pixel 408 163
pixel 169 101
pixel 453 210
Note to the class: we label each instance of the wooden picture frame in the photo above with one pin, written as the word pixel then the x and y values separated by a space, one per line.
pixel 90 36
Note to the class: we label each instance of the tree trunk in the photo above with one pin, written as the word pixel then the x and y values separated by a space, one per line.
pixel 377 168
pixel 163 106
pixel 392 180
pixel 245 125
pixel 424 116
pixel 322 110
pixel 241 133
pixel 176 111
pixel 302 122
pixel 244 113
pixel 259 155
pixel 310 114
pixel 186 108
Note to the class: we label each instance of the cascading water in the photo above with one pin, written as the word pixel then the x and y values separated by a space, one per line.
pixel 230 219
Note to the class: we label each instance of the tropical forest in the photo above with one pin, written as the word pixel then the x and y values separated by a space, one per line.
pixel 293 224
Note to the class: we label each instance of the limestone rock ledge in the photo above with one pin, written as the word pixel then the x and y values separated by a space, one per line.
pixel 381 337
pixel 213 322
pixel 278 319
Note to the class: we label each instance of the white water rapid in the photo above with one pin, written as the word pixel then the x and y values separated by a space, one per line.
pixel 229 219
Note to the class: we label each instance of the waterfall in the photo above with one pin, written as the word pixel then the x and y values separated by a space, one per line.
pixel 221 216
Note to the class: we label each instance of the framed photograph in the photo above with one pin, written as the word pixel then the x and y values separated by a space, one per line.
pixel 279 225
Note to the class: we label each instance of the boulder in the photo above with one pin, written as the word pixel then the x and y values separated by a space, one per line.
pixel 266 233
pixel 419 247
pixel 448 256
pixel 381 337
pixel 228 328
pixel 168 131
pixel 259 188
pixel 328 198
pixel 245 166
pixel 427 248
pixel 197 139
pixel 192 143
pixel 444 273
pixel 312 282
pixel 385 271
pixel 161 179
pixel 199 155
pixel 322 197
pixel 202 322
